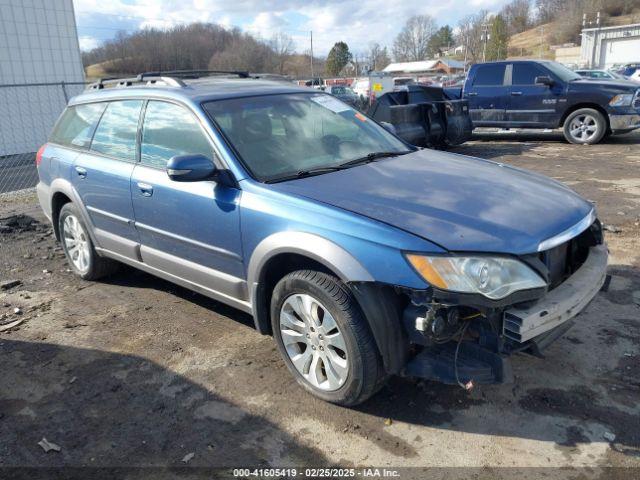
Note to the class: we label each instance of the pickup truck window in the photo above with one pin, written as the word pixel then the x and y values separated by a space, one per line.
pixel 562 72
pixel 526 73
pixel 489 75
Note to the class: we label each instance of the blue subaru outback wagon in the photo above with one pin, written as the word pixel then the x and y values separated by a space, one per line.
pixel 361 255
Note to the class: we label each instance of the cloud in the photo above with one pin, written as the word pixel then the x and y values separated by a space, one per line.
pixel 88 43
pixel 356 22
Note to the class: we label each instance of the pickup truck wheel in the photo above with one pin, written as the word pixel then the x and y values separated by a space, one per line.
pixel 324 338
pixel 585 127
pixel 78 247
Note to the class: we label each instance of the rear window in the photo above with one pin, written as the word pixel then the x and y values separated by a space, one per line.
pixel 116 133
pixel 489 75
pixel 76 125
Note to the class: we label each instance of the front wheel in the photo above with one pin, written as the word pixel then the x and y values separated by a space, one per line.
pixel 585 127
pixel 324 338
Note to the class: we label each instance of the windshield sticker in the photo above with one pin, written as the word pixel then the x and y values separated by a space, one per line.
pixel 360 117
pixel 330 103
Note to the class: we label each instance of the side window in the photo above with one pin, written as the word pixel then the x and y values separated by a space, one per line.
pixel 489 76
pixel 169 130
pixel 76 125
pixel 116 132
pixel 526 73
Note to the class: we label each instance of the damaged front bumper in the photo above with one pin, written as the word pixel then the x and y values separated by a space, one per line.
pixel 483 356
pixel 562 303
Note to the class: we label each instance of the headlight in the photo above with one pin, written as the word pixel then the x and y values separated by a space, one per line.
pixel 622 100
pixel 493 277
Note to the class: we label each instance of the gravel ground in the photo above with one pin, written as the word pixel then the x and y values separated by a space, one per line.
pixel 134 371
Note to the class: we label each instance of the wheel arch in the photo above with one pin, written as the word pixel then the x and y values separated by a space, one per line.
pixel 284 252
pixel 581 105
pixel 62 192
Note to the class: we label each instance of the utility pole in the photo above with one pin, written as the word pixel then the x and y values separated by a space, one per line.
pixel 541 38
pixel 485 38
pixel 312 77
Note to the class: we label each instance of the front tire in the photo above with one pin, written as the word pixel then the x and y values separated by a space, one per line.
pixel 585 126
pixel 324 339
pixel 78 247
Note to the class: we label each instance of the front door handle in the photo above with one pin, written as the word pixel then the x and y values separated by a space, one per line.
pixel 472 94
pixel 516 94
pixel 145 189
pixel 82 172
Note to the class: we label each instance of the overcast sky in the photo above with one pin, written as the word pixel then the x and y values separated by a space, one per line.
pixel 357 22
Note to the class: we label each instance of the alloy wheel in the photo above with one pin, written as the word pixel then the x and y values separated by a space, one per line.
pixel 76 242
pixel 583 127
pixel 313 342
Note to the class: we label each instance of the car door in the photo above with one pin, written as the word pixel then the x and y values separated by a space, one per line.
pixel 188 229
pixel 530 104
pixel 488 95
pixel 102 177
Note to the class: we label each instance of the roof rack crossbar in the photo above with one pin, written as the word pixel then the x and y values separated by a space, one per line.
pixel 196 73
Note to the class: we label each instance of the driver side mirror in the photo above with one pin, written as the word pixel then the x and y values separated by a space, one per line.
pixel 190 168
pixel 544 80
pixel 389 127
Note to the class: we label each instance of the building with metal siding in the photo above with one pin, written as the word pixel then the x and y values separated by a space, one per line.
pixel 607 46
pixel 40 68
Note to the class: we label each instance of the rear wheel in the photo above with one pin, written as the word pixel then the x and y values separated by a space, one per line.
pixel 78 247
pixel 324 338
pixel 585 126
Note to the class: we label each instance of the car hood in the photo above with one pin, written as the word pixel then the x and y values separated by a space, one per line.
pixel 460 203
pixel 618 85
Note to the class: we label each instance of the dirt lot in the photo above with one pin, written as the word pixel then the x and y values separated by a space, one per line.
pixel 136 371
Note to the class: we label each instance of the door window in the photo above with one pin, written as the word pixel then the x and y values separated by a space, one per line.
pixel 169 130
pixel 76 125
pixel 117 130
pixel 526 73
pixel 489 75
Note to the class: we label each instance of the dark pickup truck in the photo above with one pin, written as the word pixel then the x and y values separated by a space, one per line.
pixel 546 94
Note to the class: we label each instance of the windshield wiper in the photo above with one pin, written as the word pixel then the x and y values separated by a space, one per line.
pixel 372 157
pixel 307 173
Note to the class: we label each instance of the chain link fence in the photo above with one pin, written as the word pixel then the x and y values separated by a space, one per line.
pixel 28 112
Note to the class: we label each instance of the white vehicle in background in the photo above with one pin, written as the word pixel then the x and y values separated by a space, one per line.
pixel 635 77
pixel 361 87
pixel 600 75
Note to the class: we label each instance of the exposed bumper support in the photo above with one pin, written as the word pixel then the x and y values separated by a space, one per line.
pixel 562 303
pixel 624 123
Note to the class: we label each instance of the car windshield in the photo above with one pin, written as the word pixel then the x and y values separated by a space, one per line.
pixel 279 136
pixel 564 73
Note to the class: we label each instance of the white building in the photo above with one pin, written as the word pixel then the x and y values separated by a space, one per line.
pixel 607 46
pixel 38 45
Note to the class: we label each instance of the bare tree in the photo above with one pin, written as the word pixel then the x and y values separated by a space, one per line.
pixel 283 47
pixel 377 57
pixel 517 15
pixel 470 35
pixel 412 43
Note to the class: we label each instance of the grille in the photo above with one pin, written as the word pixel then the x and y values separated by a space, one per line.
pixel 563 260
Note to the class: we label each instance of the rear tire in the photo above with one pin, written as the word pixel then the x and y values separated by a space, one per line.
pixel 78 247
pixel 585 126
pixel 324 338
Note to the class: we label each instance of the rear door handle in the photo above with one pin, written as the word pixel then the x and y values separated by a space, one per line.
pixel 516 94
pixel 82 172
pixel 145 189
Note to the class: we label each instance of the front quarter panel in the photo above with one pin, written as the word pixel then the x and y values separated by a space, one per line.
pixel 355 247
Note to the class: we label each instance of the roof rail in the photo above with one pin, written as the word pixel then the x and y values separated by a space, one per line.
pixel 169 77
pixel 197 73
pixel 140 79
